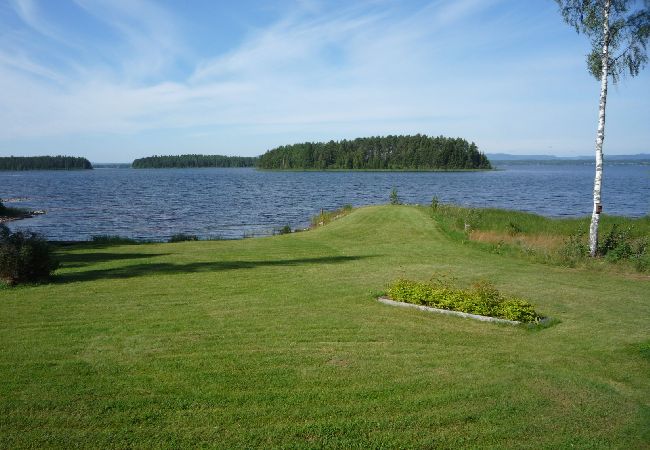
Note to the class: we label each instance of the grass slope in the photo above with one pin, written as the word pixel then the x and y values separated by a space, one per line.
pixel 278 342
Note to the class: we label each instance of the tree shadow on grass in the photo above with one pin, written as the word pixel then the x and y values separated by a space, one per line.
pixel 96 245
pixel 140 270
pixel 74 260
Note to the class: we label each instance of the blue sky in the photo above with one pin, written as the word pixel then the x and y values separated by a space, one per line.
pixel 113 80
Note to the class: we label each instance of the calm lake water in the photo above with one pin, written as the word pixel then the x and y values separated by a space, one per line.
pixel 231 203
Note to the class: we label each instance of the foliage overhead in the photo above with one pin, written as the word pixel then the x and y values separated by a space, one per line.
pixel 629 27
pixel 188 161
pixel 419 152
pixel 44 163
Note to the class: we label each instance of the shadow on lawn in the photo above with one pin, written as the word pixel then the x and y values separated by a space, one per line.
pixel 73 260
pixel 138 270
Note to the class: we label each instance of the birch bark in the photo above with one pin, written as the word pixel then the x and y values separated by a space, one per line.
pixel 600 135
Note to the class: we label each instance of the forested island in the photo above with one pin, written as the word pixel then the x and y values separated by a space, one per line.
pixel 44 163
pixel 186 161
pixel 419 152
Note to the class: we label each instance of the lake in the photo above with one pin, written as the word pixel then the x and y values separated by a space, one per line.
pixel 154 204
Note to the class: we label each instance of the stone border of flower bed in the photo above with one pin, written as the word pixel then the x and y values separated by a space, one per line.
pixel 388 301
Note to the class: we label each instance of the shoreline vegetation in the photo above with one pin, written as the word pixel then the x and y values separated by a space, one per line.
pixel 555 241
pixel 22 163
pixel 624 247
pixel 9 214
pixel 180 344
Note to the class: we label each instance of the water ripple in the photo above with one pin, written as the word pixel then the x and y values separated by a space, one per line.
pixel 232 203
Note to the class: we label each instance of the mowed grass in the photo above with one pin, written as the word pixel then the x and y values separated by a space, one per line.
pixel 279 342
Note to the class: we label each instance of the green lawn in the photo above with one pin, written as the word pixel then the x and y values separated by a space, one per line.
pixel 278 342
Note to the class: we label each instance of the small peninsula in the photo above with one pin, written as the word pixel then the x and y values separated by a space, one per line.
pixel 44 163
pixel 8 214
pixel 418 152
pixel 191 161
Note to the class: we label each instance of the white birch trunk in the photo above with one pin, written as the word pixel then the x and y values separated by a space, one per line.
pixel 600 135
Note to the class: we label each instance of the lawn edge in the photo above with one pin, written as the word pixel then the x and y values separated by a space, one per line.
pixel 388 301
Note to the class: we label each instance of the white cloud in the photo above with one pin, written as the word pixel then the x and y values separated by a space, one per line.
pixel 29 12
pixel 18 61
pixel 354 71
pixel 150 39
pixel 281 75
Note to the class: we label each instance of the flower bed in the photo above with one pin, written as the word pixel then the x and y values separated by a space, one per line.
pixel 482 299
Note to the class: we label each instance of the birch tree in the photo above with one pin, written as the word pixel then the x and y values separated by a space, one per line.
pixel 618 31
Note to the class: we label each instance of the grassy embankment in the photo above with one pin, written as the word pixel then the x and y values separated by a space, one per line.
pixel 279 342
pixel 625 242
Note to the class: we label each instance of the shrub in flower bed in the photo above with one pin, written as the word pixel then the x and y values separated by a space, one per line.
pixel 482 298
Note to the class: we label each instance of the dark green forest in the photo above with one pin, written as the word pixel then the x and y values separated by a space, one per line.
pixel 181 161
pixel 44 163
pixel 419 152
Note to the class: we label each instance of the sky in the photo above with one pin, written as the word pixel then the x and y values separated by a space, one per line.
pixel 114 80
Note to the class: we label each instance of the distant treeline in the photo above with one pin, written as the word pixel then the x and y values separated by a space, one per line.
pixel 44 163
pixel 160 162
pixel 419 152
pixel 112 165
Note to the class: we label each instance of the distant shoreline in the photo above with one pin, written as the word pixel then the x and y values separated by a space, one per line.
pixel 259 169
pixel 9 214
pixel 59 162
pixel 46 170
pixel 21 216
pixel 374 170
pixel 551 158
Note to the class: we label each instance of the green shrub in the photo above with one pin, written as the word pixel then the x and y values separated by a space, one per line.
pixel 622 245
pixel 472 220
pixel 517 309
pixel 411 292
pixel 640 255
pixel 434 203
pixel 513 229
pixel 483 299
pixel 394 199
pixel 24 257
pixel 616 245
pixel 284 230
pixel 574 248
pixel 181 237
